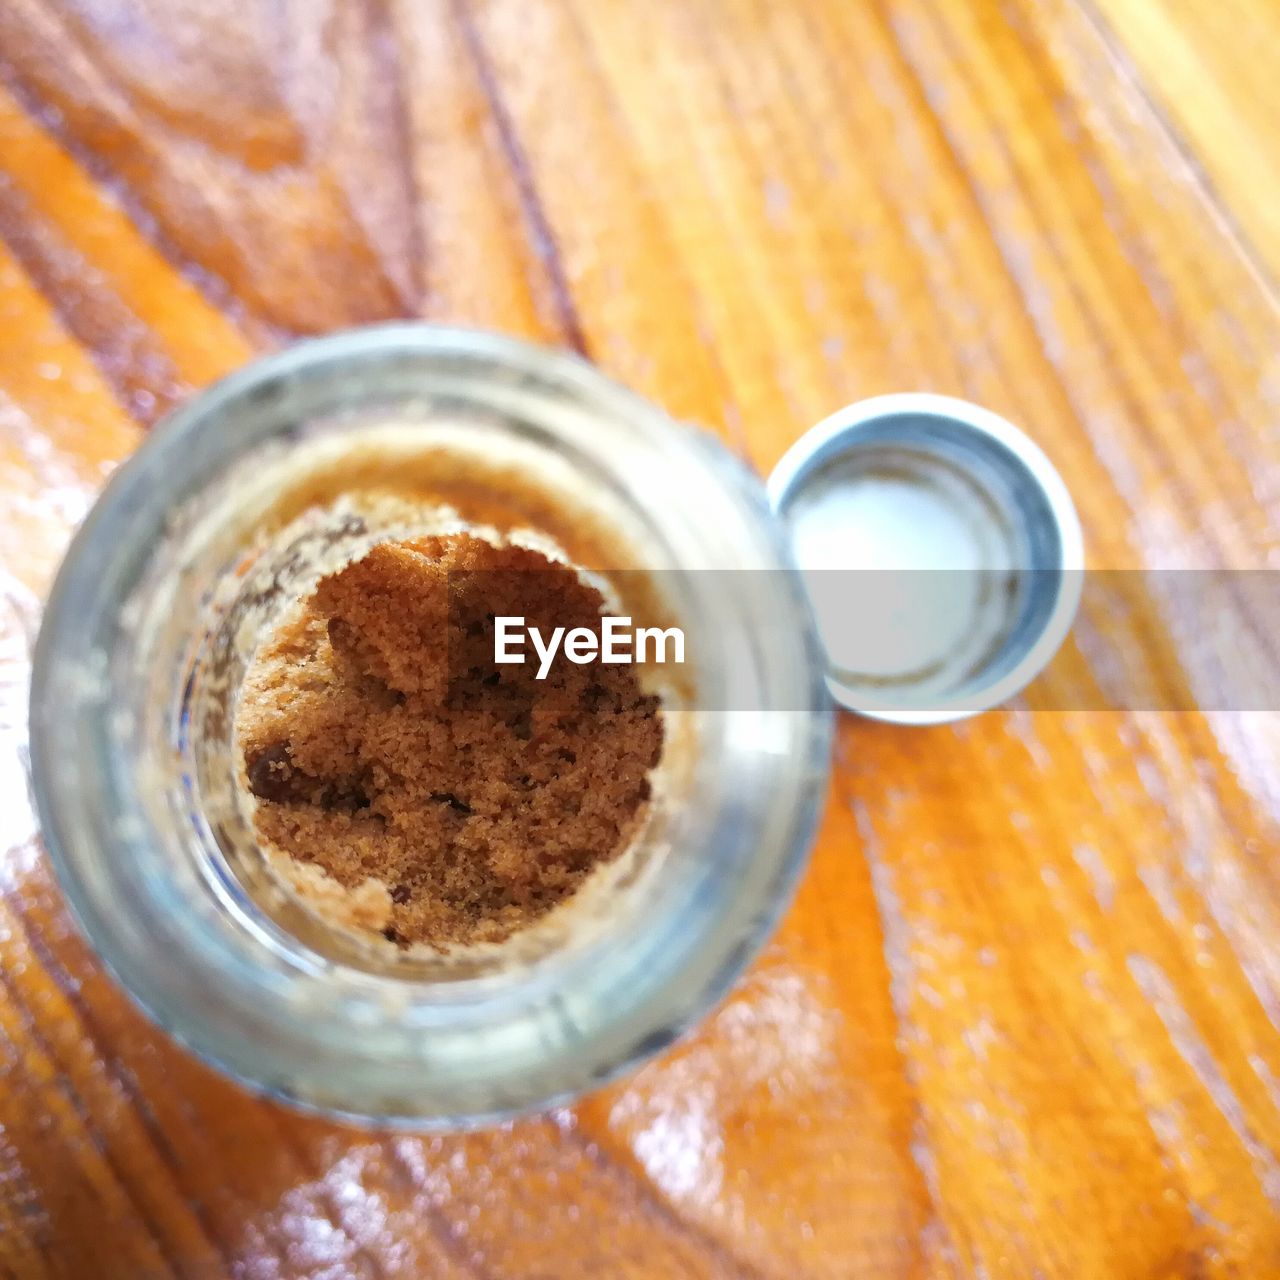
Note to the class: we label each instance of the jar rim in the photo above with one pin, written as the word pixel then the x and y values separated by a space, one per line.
pixel 86 796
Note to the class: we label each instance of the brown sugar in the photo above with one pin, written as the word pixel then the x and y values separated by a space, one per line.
pixel 450 800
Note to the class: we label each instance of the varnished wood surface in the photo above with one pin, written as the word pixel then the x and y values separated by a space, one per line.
pixel 1024 1018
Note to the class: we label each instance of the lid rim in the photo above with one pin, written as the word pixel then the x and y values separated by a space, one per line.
pixel 846 428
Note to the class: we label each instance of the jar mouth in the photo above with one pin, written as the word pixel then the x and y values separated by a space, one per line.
pixel 281 520
pixel 116 741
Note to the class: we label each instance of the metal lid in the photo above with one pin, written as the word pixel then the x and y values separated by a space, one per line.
pixel 940 549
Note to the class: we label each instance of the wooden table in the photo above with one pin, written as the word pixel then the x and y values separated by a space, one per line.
pixel 1024 1017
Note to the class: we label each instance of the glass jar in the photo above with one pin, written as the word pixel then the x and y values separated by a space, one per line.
pixel 147 633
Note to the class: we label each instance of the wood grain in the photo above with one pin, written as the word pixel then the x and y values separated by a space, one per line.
pixel 1024 1017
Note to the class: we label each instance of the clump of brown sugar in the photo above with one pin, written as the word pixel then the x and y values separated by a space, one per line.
pixel 454 800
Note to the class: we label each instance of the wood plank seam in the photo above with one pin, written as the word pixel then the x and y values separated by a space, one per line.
pixel 216 292
pixel 1228 224
pixel 387 47
pixel 145 382
pixel 122 1078
pixel 83 1113
pixel 730 423
pixel 537 223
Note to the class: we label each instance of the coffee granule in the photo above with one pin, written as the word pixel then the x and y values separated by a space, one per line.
pixel 457 800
